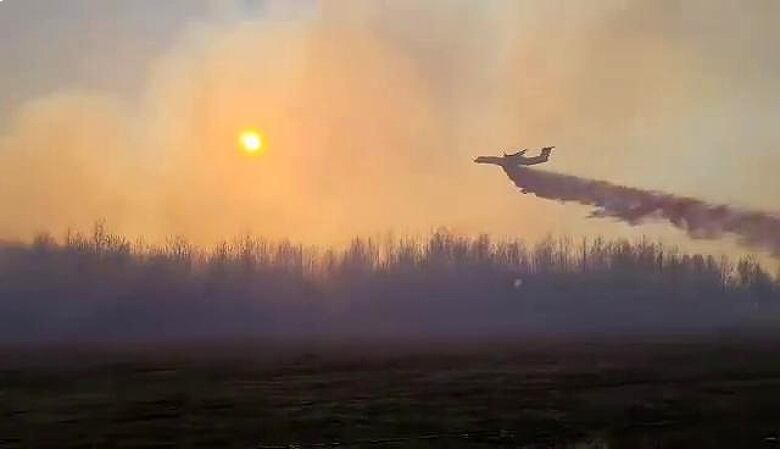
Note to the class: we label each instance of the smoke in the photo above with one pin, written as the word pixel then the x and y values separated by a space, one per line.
pixel 699 219
pixel 370 110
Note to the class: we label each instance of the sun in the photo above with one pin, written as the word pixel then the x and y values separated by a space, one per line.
pixel 251 142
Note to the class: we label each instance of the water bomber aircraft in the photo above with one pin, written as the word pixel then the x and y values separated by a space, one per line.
pixel 512 162
pixel 516 159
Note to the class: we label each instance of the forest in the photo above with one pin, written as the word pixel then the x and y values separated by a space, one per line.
pixel 103 286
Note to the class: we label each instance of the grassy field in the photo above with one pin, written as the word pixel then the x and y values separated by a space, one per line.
pixel 654 394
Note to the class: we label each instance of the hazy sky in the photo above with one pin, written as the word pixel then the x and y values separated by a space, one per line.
pixel 372 111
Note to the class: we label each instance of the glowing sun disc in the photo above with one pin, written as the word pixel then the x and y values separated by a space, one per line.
pixel 251 142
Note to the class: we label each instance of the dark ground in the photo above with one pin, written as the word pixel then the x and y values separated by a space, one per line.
pixel 601 394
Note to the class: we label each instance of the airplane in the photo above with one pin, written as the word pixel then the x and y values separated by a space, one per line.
pixel 516 159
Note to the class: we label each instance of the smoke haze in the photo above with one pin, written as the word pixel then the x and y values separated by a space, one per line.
pixel 372 112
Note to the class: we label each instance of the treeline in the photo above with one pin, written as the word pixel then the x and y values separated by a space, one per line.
pixel 102 285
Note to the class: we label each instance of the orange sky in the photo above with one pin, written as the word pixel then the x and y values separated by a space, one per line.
pixel 372 112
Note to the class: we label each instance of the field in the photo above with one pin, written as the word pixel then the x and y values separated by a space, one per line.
pixel 551 393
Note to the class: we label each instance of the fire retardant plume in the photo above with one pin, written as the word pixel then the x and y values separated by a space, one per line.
pixel 635 206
